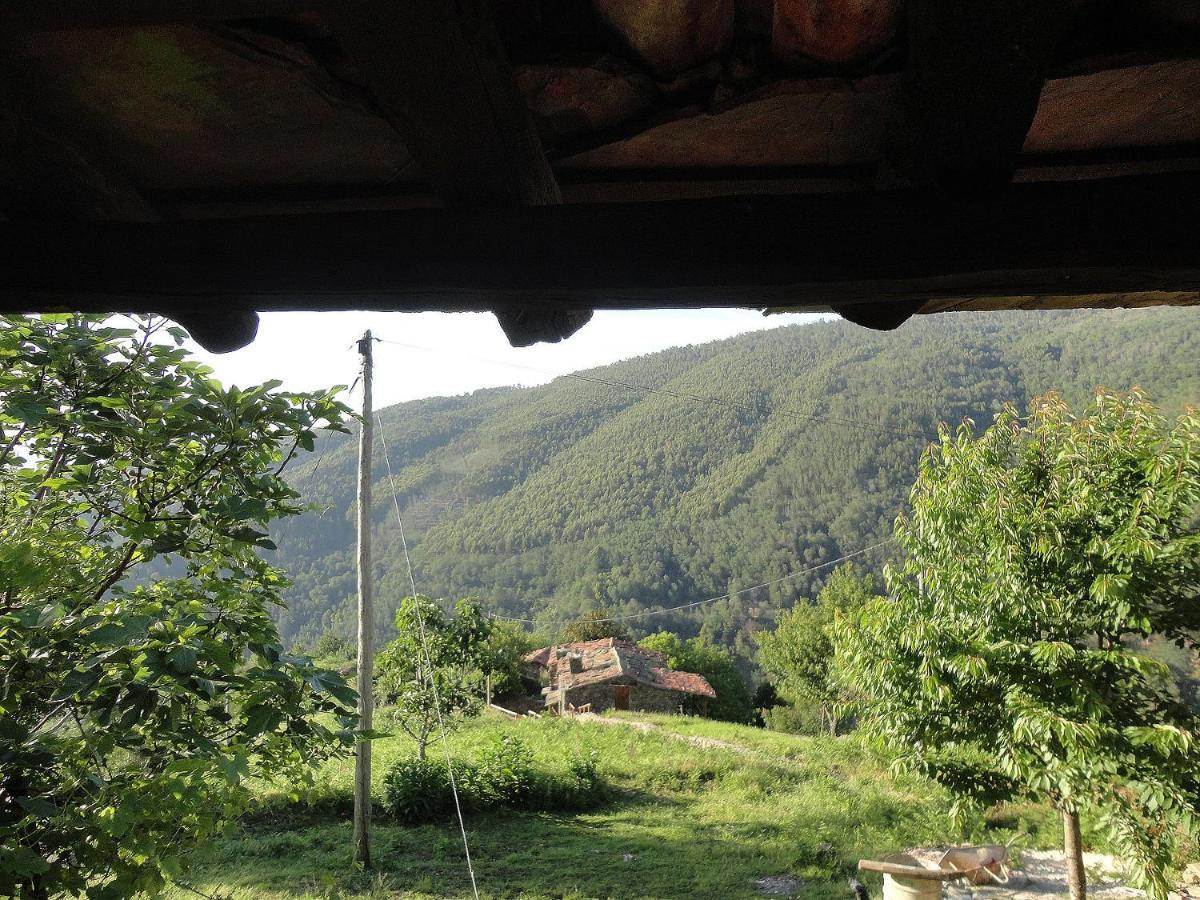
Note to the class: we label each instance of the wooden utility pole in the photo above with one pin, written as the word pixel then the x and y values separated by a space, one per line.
pixel 366 622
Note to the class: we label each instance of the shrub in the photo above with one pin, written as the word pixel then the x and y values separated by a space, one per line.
pixel 330 646
pixel 585 766
pixel 581 787
pixel 795 718
pixel 417 790
pixel 505 777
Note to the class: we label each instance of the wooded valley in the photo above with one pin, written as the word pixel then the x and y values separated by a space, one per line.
pixel 734 463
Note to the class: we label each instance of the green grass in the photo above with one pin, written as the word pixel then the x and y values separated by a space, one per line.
pixel 686 821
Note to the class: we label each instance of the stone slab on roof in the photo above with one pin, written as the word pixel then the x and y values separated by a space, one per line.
pixel 609 658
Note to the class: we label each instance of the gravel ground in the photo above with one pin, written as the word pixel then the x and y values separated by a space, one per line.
pixel 1043 873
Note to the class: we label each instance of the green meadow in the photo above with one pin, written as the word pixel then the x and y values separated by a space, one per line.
pixel 695 808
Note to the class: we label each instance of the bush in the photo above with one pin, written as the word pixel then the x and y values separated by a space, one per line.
pixel 581 787
pixel 332 646
pixel 585 766
pixel 503 778
pixel 417 790
pixel 790 718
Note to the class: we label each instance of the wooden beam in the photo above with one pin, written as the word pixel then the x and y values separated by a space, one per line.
pixel 970 88
pixel 440 73
pixel 1063 239
pixel 73 15
pixel 51 163
pixel 50 168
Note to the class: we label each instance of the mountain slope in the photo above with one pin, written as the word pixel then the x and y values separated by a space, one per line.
pixel 740 462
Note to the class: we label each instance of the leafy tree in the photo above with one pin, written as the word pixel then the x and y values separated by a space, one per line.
pixel 135 707
pixel 800 649
pixel 435 680
pixel 765 698
pixel 332 646
pixel 505 647
pixel 1038 554
pixel 594 626
pixel 716 664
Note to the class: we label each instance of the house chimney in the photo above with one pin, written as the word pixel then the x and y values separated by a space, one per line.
pixel 576 663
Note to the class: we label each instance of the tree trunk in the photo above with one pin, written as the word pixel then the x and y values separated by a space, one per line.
pixel 829 720
pixel 1073 850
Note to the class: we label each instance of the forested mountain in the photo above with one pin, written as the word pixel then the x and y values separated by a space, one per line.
pixel 736 463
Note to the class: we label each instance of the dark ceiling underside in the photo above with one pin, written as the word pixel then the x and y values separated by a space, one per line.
pixel 541 158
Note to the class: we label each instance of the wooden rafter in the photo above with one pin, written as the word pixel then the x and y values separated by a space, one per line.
pixel 441 75
pixel 50 169
pixel 70 15
pixel 1051 240
pixel 975 70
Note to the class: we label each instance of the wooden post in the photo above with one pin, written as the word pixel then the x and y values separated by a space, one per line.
pixel 366 622
pixel 487 686
pixel 1073 852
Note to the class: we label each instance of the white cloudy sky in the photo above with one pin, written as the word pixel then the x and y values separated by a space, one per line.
pixel 465 351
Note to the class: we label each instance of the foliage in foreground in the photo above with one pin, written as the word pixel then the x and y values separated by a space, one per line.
pixel 1034 554
pixel 132 715
pixel 799 652
pixel 504 777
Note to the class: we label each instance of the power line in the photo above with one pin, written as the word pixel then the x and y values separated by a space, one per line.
pixel 680 395
pixel 715 401
pixel 659 612
pixel 437 702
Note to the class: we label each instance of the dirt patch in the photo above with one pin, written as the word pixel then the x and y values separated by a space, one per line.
pixel 780 885
pixel 1042 873
pixel 704 743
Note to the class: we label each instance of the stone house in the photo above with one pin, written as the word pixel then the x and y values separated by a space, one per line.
pixel 615 674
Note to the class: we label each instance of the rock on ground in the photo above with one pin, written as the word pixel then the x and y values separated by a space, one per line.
pixel 780 885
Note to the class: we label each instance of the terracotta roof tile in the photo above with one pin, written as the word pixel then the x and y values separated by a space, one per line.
pixel 688 682
pixel 540 657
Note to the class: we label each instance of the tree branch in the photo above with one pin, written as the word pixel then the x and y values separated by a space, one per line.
pixel 115 576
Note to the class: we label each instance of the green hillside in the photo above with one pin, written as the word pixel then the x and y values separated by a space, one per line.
pixel 753 457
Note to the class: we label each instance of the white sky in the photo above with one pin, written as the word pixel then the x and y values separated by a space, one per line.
pixel 315 350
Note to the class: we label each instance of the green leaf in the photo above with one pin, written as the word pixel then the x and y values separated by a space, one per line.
pixel 37 806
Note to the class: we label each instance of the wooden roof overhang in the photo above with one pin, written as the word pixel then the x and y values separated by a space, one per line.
pixel 210 159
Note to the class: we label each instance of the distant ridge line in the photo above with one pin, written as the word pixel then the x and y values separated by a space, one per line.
pixel 696 398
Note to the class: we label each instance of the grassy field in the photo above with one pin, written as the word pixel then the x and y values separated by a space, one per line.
pixel 685 821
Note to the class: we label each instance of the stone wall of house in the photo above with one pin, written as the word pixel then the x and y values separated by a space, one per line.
pixel 648 699
pixel 641 698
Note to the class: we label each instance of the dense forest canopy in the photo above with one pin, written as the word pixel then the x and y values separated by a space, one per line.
pixel 549 501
